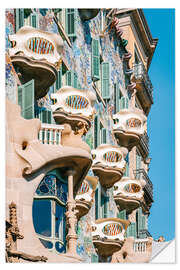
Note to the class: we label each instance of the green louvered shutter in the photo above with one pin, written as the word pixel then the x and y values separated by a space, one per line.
pixel 131 230
pixel 26 99
pixel 34 20
pixel 124 103
pixel 105 80
pixel 122 214
pixel 95 60
pixel 139 219
pixel 105 207
pixel 94 258
pixel 59 80
pixel 117 98
pixel 19 18
pixel 96 131
pixel 127 165
pixel 70 22
pixel 69 78
pixel 138 164
pixel 98 202
pixel 46 116
pixel 75 80
pixel 104 135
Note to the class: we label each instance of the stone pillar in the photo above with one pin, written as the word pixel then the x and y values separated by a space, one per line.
pixel 71 217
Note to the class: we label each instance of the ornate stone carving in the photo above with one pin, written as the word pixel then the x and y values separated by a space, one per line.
pixel 12 235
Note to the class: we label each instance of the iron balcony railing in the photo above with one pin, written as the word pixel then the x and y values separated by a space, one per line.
pixel 140 73
pixel 141 174
pixel 145 233
pixel 144 143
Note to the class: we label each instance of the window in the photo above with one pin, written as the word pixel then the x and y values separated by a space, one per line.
pixel 138 160
pixel 72 79
pixel 127 166
pixel 34 20
pixel 131 230
pixel 117 97
pixel 124 103
pixel 59 80
pixel 122 214
pixel 95 60
pixel 98 202
pixel 96 131
pixel 104 204
pixel 26 99
pixel 105 84
pixel 141 221
pixel 103 135
pixel 70 14
pixel 49 212
pixel 19 18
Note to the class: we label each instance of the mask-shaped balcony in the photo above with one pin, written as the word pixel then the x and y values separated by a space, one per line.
pixel 108 235
pixel 88 13
pixel 36 55
pixel 109 164
pixel 129 126
pixel 85 196
pixel 74 107
pixel 128 194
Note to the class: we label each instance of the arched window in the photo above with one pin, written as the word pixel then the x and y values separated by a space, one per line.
pixel 49 209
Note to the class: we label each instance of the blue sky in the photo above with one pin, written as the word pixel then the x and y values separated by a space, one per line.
pixel 161 123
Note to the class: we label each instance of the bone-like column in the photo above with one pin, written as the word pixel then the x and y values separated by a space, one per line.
pixel 71 216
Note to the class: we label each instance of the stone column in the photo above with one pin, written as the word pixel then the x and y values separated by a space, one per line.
pixel 71 216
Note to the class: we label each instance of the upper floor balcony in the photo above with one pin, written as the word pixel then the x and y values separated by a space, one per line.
pixel 74 107
pixel 36 54
pixel 144 145
pixel 109 163
pixel 85 195
pixel 128 194
pixel 108 235
pixel 144 86
pixel 129 126
pixel 148 188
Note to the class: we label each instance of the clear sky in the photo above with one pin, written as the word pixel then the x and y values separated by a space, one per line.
pixel 161 123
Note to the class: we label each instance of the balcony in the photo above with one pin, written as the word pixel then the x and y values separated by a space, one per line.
pixel 148 188
pixel 128 194
pixel 108 235
pixel 36 55
pixel 144 145
pixel 50 134
pixel 74 107
pixel 144 86
pixel 129 126
pixel 85 196
pixel 88 13
pixel 109 164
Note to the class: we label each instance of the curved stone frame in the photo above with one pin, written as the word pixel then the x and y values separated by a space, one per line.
pixel 64 113
pixel 127 200
pixel 126 135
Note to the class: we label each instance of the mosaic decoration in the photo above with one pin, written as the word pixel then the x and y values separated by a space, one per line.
pixel 112 229
pixel 112 156
pixel 77 102
pixel 40 45
pixel 132 188
pixel 52 186
pixel 133 123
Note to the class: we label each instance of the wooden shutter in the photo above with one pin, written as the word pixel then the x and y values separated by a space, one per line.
pixel 75 80
pixel 131 230
pixel 96 131
pixel 94 258
pixel 138 161
pixel 139 220
pixel 126 103
pixel 98 202
pixel 26 99
pixel 46 116
pixel 105 80
pixel 70 22
pixel 122 214
pixel 117 98
pixel 104 135
pixel 19 18
pixel 95 60
pixel 127 165
pixel 69 78
pixel 34 20
pixel 59 80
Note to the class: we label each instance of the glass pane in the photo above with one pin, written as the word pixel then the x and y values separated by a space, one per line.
pixel 60 222
pixel 42 217
pixel 47 244
pixel 60 248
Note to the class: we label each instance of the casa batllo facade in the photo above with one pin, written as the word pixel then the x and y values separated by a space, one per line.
pixel 78 98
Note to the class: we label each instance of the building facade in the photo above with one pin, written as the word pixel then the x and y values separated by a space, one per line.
pixel 78 98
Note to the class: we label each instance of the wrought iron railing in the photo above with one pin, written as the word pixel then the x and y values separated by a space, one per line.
pixel 141 174
pixel 144 143
pixel 141 73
